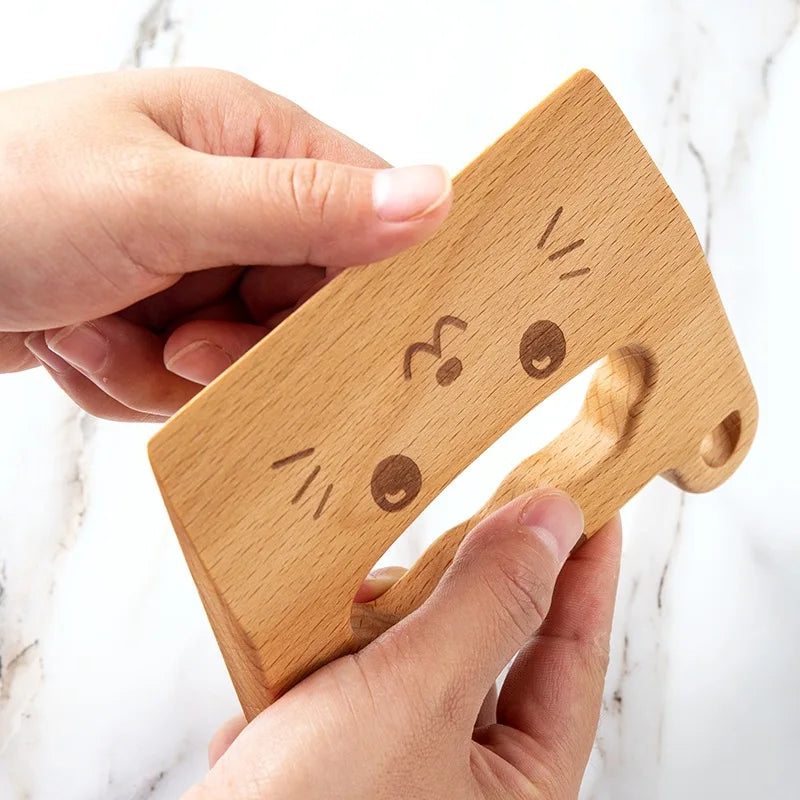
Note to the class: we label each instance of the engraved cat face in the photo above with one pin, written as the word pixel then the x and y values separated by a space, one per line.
pixel 397 480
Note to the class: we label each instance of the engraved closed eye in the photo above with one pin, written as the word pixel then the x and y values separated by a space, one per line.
pixel 395 483
pixel 542 349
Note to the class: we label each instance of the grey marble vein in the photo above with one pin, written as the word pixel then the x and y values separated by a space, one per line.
pixel 709 218
pixel 80 430
pixel 159 24
pixel 16 664
pixel 789 31
pixel 150 785
pixel 23 673
pixel 673 546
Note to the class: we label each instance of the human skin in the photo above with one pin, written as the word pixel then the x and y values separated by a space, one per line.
pixel 414 715
pixel 154 226
pixel 157 224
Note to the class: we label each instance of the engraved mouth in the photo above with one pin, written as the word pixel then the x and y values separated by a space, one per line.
pixel 395 497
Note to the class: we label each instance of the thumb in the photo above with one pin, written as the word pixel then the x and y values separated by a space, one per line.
pixel 301 211
pixel 491 600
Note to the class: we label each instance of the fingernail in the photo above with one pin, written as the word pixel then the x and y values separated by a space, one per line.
pixel 82 345
pixel 381 579
pixel 200 361
pixel 582 539
pixel 378 582
pixel 408 193
pixel 38 346
pixel 557 520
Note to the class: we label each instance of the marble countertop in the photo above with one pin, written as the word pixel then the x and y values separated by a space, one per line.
pixel 110 681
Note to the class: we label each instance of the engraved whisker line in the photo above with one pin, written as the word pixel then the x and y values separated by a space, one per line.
pixel 574 273
pixel 564 250
pixel 306 484
pixel 282 462
pixel 550 226
pixel 298 495
pixel 324 500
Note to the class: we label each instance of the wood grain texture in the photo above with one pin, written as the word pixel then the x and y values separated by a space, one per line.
pixel 292 473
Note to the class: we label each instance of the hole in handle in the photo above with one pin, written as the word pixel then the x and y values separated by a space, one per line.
pixel 720 443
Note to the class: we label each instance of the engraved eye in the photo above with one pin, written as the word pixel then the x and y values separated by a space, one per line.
pixel 396 481
pixel 542 349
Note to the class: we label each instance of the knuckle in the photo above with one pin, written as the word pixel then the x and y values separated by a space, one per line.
pixel 311 185
pixel 86 396
pixel 232 84
pixel 102 406
pixel 451 706
pixel 221 98
pixel 93 405
pixel 14 356
pixel 430 706
pixel 524 592
pixel 210 83
pixel 356 680
pixel 143 181
pixel 226 80
pixel 596 657
pixel 590 654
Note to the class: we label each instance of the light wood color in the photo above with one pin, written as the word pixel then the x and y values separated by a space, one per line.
pixel 290 475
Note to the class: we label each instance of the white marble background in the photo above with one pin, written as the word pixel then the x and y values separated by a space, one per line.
pixel 111 682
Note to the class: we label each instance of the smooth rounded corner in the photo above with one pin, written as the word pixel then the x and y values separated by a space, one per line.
pixel 584 82
pixel 588 79
pixel 719 451
pixel 588 75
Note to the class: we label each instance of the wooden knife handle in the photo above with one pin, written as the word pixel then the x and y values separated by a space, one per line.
pixel 576 461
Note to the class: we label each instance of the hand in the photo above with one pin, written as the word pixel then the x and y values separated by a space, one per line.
pixel 154 225
pixel 413 714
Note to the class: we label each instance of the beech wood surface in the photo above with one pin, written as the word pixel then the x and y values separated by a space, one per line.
pixel 289 476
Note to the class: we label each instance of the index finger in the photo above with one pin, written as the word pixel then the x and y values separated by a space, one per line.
pixel 189 103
